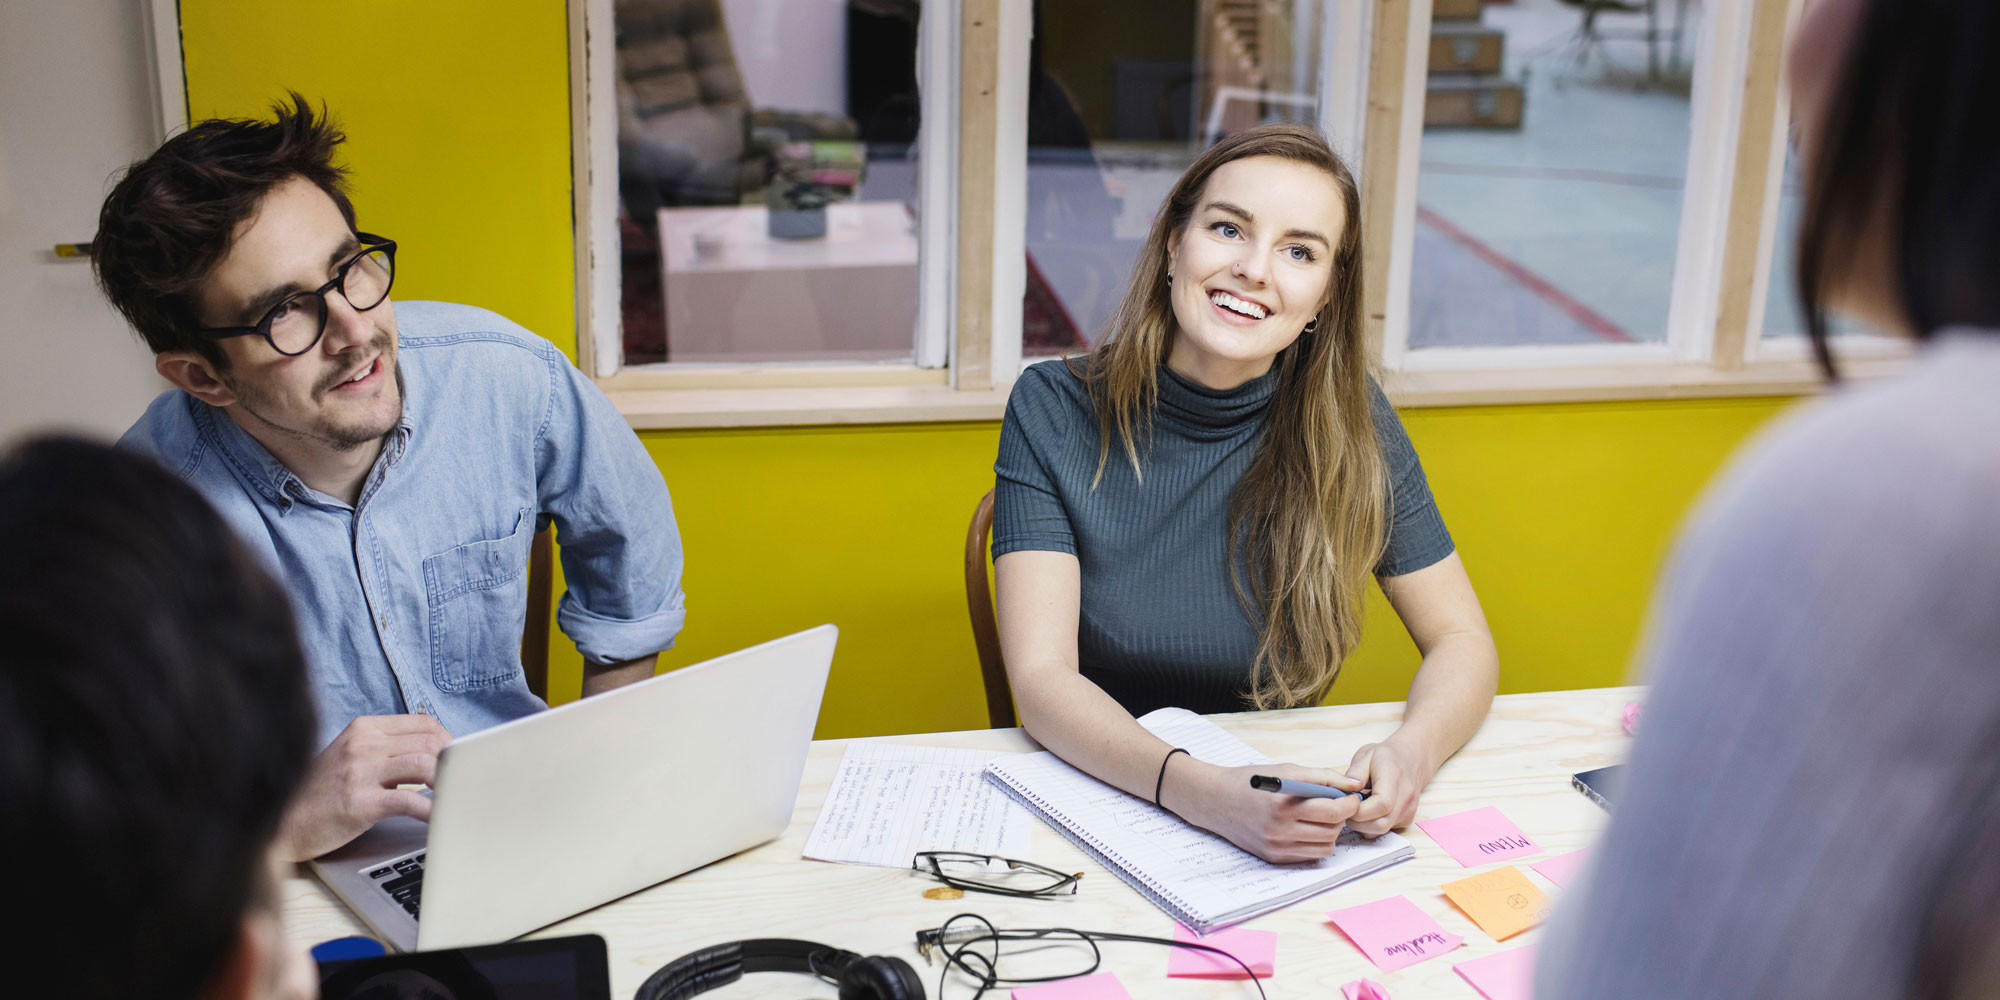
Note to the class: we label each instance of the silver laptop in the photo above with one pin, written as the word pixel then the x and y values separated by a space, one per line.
pixel 541 818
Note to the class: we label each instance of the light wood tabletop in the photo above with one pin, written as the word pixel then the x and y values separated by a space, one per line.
pixel 1521 761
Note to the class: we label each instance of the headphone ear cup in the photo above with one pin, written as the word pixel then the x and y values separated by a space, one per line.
pixel 880 977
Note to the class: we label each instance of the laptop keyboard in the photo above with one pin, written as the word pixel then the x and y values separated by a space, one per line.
pixel 403 881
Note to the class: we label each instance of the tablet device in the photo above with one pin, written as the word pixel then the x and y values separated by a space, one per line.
pixel 1601 785
pixel 564 968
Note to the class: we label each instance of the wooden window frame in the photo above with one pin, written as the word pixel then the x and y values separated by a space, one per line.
pixel 977 51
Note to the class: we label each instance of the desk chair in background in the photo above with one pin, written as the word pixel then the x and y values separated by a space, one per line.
pixel 985 626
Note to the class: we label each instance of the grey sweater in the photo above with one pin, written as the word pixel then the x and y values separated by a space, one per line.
pixel 1159 622
pixel 1816 767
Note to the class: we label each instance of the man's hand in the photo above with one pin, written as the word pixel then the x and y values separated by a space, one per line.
pixel 351 785
pixel 1397 774
pixel 1280 828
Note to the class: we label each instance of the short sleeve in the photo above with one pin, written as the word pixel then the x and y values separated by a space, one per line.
pixel 1037 438
pixel 1417 535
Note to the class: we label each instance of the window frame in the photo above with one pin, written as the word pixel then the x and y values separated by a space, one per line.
pixel 972 62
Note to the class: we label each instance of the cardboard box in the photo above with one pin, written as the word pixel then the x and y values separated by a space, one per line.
pixel 1473 102
pixel 1465 48
pixel 1456 10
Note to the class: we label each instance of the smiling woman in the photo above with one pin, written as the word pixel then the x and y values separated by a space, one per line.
pixel 1219 563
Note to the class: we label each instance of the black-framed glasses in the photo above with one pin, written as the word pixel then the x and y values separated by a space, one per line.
pixel 994 874
pixel 293 326
pixel 970 944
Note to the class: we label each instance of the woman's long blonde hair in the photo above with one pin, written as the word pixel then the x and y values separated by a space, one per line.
pixel 1307 519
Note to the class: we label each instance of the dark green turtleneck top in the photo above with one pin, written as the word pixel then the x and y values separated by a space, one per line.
pixel 1159 623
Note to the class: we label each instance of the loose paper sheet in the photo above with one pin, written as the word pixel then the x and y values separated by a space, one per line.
pixel 1479 836
pixel 1364 989
pixel 1502 902
pixel 1102 986
pixel 1509 975
pixel 1393 933
pixel 888 801
pixel 1257 949
pixel 1562 868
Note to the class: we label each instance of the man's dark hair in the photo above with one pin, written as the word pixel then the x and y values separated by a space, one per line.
pixel 1910 126
pixel 170 219
pixel 155 720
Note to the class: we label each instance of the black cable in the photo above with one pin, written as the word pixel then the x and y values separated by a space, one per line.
pixel 960 954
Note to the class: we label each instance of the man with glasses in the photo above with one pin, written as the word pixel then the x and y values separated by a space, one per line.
pixel 391 462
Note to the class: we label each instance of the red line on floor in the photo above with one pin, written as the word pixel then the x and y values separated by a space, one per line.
pixel 1535 283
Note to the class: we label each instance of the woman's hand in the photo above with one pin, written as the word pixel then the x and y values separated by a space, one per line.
pixel 1280 828
pixel 1396 773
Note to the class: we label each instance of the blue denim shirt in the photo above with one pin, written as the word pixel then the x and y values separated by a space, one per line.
pixel 413 599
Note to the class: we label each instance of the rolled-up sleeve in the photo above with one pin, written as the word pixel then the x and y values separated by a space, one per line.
pixel 621 549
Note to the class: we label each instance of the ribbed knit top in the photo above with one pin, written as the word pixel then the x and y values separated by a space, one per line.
pixel 1159 623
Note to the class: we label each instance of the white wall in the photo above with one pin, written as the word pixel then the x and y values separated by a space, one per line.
pixel 75 106
pixel 792 53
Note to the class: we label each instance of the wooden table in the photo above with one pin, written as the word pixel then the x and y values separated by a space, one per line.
pixel 1521 761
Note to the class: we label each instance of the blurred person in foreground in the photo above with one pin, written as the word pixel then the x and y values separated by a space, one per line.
pixel 154 721
pixel 1813 806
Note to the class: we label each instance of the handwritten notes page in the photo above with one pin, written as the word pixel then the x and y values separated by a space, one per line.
pixel 1479 836
pixel 1257 949
pixel 888 801
pixel 1509 975
pixel 1502 902
pixel 1393 933
pixel 1199 878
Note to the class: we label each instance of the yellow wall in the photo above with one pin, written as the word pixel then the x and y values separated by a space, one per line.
pixel 458 113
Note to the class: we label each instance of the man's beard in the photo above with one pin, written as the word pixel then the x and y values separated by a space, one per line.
pixel 324 431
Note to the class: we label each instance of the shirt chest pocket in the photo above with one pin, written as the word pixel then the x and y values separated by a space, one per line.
pixel 478 595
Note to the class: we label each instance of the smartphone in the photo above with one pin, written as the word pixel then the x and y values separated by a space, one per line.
pixel 564 968
pixel 1601 785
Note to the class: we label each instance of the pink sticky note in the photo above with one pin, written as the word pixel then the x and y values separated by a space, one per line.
pixel 1393 933
pixel 1363 989
pixel 1509 975
pixel 1479 836
pixel 1102 986
pixel 1562 868
pixel 1257 949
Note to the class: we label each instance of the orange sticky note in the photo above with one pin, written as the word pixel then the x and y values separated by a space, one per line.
pixel 1502 902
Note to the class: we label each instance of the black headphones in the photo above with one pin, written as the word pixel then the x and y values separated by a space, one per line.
pixel 876 977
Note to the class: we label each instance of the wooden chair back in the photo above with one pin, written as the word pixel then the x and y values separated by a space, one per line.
pixel 985 627
pixel 535 637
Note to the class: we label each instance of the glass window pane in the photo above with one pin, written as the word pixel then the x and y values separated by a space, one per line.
pixel 1782 315
pixel 1553 162
pixel 767 179
pixel 1122 95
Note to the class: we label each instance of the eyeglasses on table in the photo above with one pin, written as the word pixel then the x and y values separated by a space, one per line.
pixel 994 874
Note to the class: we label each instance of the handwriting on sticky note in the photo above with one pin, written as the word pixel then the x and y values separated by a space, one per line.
pixel 1562 868
pixel 1502 902
pixel 1479 836
pixel 1393 933
pixel 1509 975
pixel 1257 949
pixel 1102 986
pixel 1363 989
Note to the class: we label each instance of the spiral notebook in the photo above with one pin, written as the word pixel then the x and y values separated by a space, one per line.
pixel 1200 879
